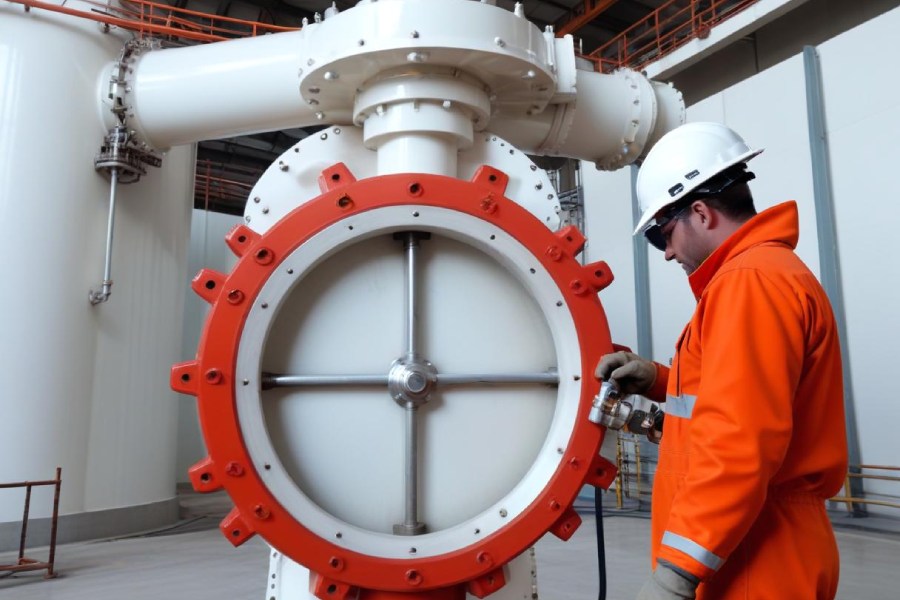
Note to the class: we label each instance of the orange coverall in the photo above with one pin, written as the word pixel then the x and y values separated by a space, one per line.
pixel 754 439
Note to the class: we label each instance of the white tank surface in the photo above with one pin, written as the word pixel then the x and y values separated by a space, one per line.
pixel 83 385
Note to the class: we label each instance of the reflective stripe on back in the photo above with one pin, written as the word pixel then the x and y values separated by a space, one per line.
pixel 680 406
pixel 692 549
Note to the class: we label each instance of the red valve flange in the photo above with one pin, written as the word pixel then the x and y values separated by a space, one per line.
pixel 338 572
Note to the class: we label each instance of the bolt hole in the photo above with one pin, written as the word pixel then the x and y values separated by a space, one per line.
pixel 210 284
pixel 267 466
pixel 492 177
pixel 262 254
pixel 334 562
pixel 493 237
pixel 477 531
pixel 290 271
pixel 568 238
pixel 335 176
pixel 185 377
pixel 332 588
pixel 416 214
pixel 412 550
pixel 598 273
pixel 242 238
pixel 344 201
pixel 350 227
pixel 532 271
pixel 576 377
pixel 235 533
pixel 415 189
pixel 339 535
pixel 559 302
pixel 205 477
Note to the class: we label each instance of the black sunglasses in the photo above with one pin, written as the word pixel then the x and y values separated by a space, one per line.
pixel 654 233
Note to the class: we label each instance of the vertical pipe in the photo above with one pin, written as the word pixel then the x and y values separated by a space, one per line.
pixel 829 262
pixel 412 246
pixel 103 294
pixel 411 516
pixel 24 523
pixel 412 480
pixel 53 523
pixel 641 278
pixel 110 227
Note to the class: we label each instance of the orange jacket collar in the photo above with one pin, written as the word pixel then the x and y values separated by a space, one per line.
pixel 776 225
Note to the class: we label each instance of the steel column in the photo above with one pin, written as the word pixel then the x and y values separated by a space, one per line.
pixel 829 260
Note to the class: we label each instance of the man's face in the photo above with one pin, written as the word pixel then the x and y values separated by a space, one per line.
pixel 684 241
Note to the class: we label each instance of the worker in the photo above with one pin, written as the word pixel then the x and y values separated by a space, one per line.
pixel 754 439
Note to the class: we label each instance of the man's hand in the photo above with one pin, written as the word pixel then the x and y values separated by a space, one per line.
pixel 668 584
pixel 631 373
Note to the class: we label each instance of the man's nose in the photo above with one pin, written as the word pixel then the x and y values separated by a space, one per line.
pixel 670 253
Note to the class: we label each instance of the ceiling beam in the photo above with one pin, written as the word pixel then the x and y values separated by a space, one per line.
pixel 591 9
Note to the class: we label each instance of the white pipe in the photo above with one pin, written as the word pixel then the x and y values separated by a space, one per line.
pixel 183 95
pixel 323 75
pixel 614 120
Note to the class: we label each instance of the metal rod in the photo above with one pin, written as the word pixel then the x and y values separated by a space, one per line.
pixel 53 523
pixel 24 522
pixel 103 294
pixel 411 517
pixel 549 377
pixel 412 246
pixel 271 380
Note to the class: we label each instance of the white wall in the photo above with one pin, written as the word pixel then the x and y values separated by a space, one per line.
pixel 862 110
pixel 862 113
pixel 207 251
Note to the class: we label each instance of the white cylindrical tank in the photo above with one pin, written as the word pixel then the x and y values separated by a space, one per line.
pixel 84 387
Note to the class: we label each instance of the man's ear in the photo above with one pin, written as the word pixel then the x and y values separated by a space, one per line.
pixel 706 216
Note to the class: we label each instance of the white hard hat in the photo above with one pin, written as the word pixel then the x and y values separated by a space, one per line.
pixel 684 159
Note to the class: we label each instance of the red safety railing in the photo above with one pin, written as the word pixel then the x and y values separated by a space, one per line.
pixel 162 20
pixel 23 563
pixel 216 183
pixel 663 31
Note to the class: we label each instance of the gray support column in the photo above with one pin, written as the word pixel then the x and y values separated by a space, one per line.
pixel 829 262
pixel 641 279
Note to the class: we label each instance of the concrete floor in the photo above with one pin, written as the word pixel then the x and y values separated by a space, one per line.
pixel 195 562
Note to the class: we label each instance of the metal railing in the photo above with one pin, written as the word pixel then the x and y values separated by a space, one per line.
pixel 162 20
pixel 220 183
pixel 848 497
pixel 23 563
pixel 663 31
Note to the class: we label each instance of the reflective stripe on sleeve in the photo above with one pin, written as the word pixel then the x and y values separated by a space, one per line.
pixel 680 406
pixel 692 549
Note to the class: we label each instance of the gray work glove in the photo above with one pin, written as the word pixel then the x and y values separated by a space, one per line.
pixel 631 373
pixel 668 584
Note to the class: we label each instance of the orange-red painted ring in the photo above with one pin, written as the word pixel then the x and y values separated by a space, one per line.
pixel 221 338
